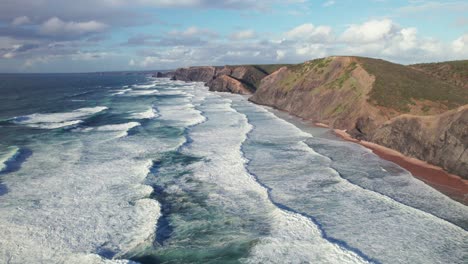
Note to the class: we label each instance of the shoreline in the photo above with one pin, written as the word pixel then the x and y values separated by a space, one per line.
pixel 453 186
pixel 449 184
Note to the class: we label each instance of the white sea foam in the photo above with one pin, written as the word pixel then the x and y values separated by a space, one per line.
pixel 75 199
pixel 7 154
pixel 176 92
pixel 141 92
pixel 121 92
pixel 148 114
pixel 291 236
pixel 121 129
pixel 144 86
pixel 58 120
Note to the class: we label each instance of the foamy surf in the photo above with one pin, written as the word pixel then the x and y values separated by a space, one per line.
pixel 122 92
pixel 144 86
pixel 148 114
pixel 58 120
pixel 7 154
pixel 219 140
pixel 121 129
pixel 89 206
pixel 141 93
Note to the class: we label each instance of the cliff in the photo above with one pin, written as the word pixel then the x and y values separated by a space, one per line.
pixel 393 105
pixel 438 139
pixel 242 79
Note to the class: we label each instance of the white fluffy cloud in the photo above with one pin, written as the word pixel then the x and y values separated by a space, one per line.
pixel 21 20
pixel 310 33
pixel 243 35
pixel 460 45
pixel 194 32
pixel 55 26
pixel 328 3
pixel 370 31
pixel 385 39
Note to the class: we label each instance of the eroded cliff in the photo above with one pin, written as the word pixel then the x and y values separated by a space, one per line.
pixel 242 79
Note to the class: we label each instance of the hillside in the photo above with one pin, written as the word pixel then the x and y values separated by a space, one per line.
pixel 453 72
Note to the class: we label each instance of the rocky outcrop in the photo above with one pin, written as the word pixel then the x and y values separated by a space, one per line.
pixel 195 74
pixel 242 79
pixel 226 83
pixel 163 74
pixel 441 140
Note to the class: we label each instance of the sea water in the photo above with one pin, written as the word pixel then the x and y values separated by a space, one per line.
pixel 130 169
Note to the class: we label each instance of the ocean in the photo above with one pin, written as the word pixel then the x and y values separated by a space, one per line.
pixel 132 169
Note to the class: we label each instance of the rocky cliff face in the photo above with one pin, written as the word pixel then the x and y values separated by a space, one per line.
pixel 226 83
pixel 242 79
pixel 332 91
pixel 441 140
pixel 195 74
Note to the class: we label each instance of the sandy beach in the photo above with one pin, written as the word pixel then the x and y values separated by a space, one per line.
pixel 449 184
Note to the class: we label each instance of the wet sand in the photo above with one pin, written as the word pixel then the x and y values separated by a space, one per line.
pixel 452 185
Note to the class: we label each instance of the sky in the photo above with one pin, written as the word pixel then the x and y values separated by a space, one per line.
pixel 113 35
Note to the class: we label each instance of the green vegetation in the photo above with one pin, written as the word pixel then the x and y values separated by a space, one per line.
pixel 454 72
pixel 338 83
pixel 317 65
pixel 298 72
pixel 396 86
pixel 426 108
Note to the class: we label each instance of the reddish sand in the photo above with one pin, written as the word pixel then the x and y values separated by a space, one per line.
pixel 450 184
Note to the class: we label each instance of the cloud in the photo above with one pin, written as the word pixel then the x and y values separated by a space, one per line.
pixel 55 26
pixel 370 31
pixel 21 20
pixel 194 31
pixel 385 39
pixel 192 36
pixel 328 3
pixel 429 6
pixel 460 45
pixel 311 33
pixel 12 52
pixel 243 35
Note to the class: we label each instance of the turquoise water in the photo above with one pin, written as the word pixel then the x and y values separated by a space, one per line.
pixel 121 169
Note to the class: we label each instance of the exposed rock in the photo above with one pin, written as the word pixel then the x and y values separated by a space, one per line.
pixel 195 74
pixel 236 79
pixel 163 74
pixel 441 139
pixel 225 83
pixel 313 92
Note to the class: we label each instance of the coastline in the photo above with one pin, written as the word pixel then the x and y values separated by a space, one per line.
pixel 454 186
pixel 449 184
